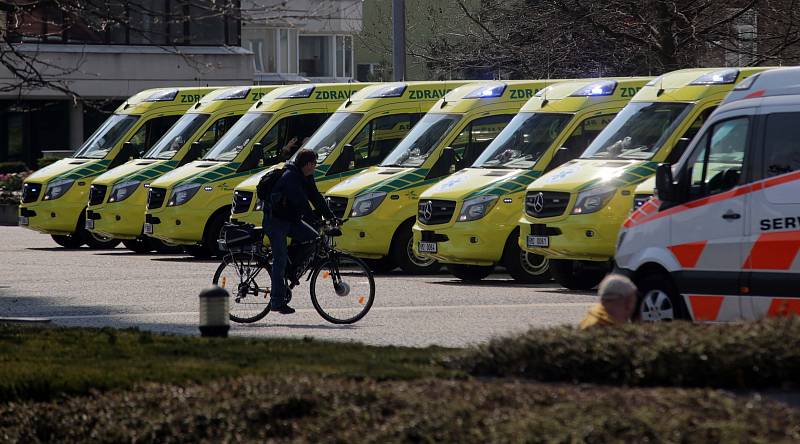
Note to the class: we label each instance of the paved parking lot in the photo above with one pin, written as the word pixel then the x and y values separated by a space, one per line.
pixel 118 288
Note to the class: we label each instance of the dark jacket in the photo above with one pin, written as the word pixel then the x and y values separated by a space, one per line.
pixel 291 196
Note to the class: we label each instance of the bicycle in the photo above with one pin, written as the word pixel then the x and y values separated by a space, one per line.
pixel 342 286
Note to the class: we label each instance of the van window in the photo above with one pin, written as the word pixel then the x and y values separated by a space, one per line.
pixel 287 135
pixel 716 165
pixel 379 137
pixel 688 135
pixel 215 132
pixel 782 144
pixel 580 139
pixel 472 140
pixel 152 130
pixel 526 138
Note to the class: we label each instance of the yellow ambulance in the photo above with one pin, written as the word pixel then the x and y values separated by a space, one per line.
pixel 54 198
pixel 360 134
pixel 117 198
pixel 572 214
pixel 381 202
pixel 468 221
pixel 189 205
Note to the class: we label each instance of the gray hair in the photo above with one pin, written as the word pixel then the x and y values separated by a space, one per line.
pixel 615 287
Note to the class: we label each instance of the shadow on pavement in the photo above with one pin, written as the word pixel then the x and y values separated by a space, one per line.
pixel 322 326
pixel 174 258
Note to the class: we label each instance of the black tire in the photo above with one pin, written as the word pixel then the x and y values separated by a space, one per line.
pixel 239 311
pixel 577 275
pixel 402 253
pixel 659 299
pixel 525 267
pixel 382 265
pixel 212 233
pixel 97 242
pixel 322 298
pixel 164 248
pixel 197 251
pixel 469 273
pixel 140 245
pixel 68 241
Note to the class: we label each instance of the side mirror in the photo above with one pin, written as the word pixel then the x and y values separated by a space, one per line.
pixel 193 154
pixel 349 155
pixel 126 153
pixel 253 159
pixel 665 185
pixel 446 164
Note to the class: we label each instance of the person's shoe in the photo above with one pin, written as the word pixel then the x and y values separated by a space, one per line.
pixel 284 309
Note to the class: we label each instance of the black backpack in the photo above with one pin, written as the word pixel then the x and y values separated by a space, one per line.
pixel 267 183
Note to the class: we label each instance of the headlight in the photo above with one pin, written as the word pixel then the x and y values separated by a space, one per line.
pixel 122 191
pixel 593 200
pixel 639 200
pixel 259 205
pixel 182 193
pixel 363 205
pixel 57 189
pixel 476 208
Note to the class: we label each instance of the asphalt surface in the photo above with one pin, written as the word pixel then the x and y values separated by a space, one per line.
pixel 120 289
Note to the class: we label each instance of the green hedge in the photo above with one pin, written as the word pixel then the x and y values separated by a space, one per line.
pixel 316 409
pixel 746 355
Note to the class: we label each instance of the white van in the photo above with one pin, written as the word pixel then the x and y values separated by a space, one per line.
pixel 720 241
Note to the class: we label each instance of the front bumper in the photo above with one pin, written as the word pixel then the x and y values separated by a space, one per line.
pixel 120 220
pixel 180 225
pixel 467 243
pixel 368 237
pixel 54 216
pixel 579 237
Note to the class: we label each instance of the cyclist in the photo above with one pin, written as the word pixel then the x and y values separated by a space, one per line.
pixel 287 216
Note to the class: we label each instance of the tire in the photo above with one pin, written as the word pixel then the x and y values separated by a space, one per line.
pixel 349 300
pixel 577 275
pixel 212 233
pixel 197 251
pixel 97 242
pixel 240 308
pixel 165 248
pixel 402 253
pixel 382 265
pixel 525 267
pixel 469 273
pixel 67 241
pixel 140 245
pixel 659 299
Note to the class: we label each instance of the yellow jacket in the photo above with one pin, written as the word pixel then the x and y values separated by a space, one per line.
pixel 597 316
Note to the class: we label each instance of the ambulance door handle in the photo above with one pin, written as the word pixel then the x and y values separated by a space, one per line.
pixel 730 215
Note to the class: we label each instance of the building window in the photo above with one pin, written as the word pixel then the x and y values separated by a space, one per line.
pixel 274 50
pixel 139 22
pixel 315 56
pixel 344 56
pixel 744 39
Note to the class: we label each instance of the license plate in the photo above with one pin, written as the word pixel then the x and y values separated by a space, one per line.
pixel 90 224
pixel 23 220
pixel 427 247
pixel 148 228
pixel 538 241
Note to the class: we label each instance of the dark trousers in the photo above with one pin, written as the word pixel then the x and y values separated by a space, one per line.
pixel 277 230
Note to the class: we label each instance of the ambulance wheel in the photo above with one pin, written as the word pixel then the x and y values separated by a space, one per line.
pixel 213 232
pixel 382 265
pixel 98 242
pixel 525 267
pixel 140 245
pixel 470 273
pixel 163 247
pixel 68 241
pixel 402 253
pixel 659 299
pixel 577 275
pixel 197 251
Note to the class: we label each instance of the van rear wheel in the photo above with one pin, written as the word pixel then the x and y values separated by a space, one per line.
pixel 68 241
pixel 577 275
pixel 470 273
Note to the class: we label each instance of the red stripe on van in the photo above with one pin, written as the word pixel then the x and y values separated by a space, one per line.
pixel 773 251
pixel 784 307
pixel 706 308
pixel 688 254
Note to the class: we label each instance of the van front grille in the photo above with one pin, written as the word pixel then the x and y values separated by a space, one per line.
pixel 433 212
pixel 546 203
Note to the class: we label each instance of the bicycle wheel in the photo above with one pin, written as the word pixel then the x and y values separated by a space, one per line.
pixel 342 289
pixel 247 279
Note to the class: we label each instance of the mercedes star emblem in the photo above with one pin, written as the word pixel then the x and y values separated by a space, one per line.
pixel 427 210
pixel 538 202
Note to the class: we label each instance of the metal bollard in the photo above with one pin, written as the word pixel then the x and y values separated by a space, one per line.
pixel 214 312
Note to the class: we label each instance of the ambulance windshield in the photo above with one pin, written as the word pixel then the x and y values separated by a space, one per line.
pixel 176 137
pixel 240 134
pixel 421 140
pixel 523 141
pixel 106 137
pixel 325 139
pixel 638 131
